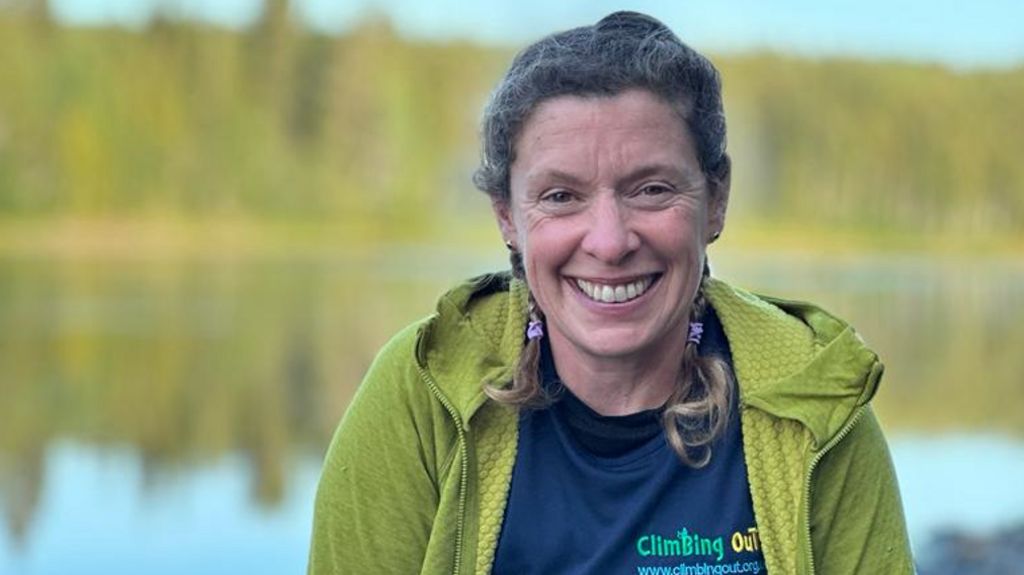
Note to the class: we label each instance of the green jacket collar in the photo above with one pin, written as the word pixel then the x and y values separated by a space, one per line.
pixel 795 361
pixel 792 359
pixel 483 320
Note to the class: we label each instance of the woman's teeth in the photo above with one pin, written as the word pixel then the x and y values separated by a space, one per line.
pixel 614 293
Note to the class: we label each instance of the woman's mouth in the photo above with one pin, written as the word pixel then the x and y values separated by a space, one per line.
pixel 616 292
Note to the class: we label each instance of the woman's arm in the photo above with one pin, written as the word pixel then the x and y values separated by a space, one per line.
pixel 378 493
pixel 857 523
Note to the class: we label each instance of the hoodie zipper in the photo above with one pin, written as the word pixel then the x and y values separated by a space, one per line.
pixel 463 460
pixel 810 474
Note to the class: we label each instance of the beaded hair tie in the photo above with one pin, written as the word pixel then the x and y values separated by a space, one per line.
pixel 696 331
pixel 535 330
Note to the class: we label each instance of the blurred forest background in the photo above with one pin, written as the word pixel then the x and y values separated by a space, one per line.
pixel 206 233
pixel 374 136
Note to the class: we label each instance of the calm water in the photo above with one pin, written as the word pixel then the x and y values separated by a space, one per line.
pixel 170 416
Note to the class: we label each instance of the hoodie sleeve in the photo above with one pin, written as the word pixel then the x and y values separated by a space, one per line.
pixel 857 523
pixel 378 494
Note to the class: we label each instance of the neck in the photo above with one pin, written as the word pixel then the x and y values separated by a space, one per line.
pixel 623 384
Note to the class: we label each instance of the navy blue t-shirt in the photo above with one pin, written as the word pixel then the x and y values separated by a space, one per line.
pixel 600 494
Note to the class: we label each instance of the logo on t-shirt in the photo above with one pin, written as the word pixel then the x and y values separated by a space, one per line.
pixel 684 544
pixel 699 554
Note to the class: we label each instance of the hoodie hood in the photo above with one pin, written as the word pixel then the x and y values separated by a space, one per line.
pixel 791 359
pixel 474 339
pixel 795 361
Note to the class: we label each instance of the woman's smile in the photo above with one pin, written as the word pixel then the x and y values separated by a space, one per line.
pixel 615 292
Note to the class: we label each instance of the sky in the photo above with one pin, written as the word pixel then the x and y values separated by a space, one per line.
pixel 956 33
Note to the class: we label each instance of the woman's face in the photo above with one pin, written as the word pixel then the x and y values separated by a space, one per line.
pixel 612 214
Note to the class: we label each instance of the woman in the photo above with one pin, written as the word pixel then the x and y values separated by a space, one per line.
pixel 609 407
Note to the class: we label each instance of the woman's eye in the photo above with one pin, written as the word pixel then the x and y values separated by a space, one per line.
pixel 653 190
pixel 557 197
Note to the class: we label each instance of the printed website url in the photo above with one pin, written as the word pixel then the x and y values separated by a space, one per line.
pixel 703 569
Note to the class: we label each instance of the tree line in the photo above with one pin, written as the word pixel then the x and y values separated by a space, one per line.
pixel 279 122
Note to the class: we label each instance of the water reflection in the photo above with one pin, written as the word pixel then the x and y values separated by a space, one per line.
pixel 140 398
pixel 182 363
pixel 101 513
pixel 959 482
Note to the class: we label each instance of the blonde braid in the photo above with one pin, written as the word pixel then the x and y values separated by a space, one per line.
pixel 526 389
pixel 697 412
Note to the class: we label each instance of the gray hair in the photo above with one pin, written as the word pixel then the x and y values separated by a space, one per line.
pixel 622 51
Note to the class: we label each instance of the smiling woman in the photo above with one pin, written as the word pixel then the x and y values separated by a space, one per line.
pixel 609 213
pixel 609 406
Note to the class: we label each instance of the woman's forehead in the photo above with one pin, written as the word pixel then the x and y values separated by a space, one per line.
pixel 633 131
pixel 632 104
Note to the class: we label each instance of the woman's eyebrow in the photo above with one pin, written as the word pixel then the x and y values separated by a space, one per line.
pixel 682 174
pixel 555 174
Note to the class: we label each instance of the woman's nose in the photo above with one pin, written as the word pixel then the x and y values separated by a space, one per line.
pixel 610 237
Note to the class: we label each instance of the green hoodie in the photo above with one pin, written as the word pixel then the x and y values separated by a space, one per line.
pixel 418 474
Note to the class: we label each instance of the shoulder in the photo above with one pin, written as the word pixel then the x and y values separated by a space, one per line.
pixel 393 419
pixel 471 321
pixel 473 338
pixel 391 385
pixel 398 354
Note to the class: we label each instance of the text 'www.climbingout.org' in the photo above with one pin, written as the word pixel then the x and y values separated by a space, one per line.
pixel 754 567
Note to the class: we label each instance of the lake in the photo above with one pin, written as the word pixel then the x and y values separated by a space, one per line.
pixel 169 415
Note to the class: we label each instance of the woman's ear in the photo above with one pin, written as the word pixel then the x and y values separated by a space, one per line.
pixel 507 225
pixel 717 207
